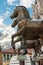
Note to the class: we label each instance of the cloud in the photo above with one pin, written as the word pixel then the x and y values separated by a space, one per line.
pixel 7 31
pixel 26 3
pixel 8 8
pixel 6 13
pixel 2 18
pixel 6 38
pixel 6 45
pixel 10 2
pixel 1 22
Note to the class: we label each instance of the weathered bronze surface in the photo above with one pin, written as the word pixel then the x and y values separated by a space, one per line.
pixel 28 29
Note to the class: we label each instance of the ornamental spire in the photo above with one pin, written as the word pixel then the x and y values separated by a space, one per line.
pixel 36 9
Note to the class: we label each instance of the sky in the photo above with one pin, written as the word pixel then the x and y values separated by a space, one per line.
pixel 6 9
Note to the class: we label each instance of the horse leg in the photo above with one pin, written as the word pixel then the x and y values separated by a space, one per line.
pixel 39 46
pixel 35 52
pixel 23 45
pixel 23 49
pixel 19 32
pixel 36 47
pixel 13 45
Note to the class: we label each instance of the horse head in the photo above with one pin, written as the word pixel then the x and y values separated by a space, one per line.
pixel 20 12
pixel 14 14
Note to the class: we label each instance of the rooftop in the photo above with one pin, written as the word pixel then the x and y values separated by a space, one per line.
pixel 11 51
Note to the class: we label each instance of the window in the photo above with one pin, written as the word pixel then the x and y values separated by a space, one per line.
pixel 7 56
pixel 11 55
pixel 4 55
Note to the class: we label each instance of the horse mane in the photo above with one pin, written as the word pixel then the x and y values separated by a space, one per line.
pixel 25 11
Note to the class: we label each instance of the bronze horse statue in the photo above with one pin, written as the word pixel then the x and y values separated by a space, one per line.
pixel 28 29
pixel 25 14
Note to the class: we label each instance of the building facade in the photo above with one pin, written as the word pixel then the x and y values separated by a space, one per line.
pixel 6 56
